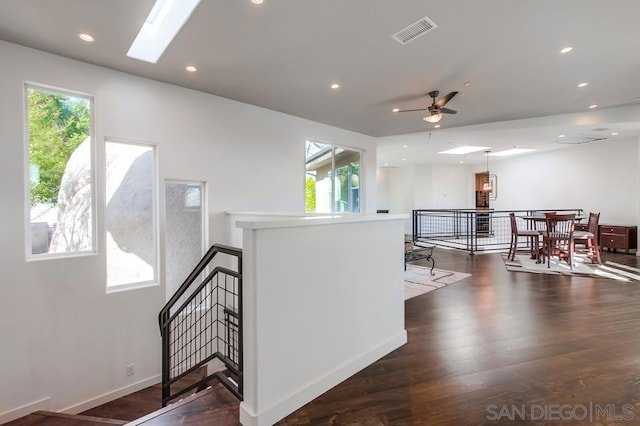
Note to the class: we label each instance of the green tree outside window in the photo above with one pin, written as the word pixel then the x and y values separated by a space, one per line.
pixel 57 125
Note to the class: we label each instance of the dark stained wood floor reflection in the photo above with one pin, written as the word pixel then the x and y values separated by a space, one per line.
pixel 500 339
pixel 495 339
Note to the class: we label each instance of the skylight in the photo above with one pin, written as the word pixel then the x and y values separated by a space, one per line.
pixel 508 152
pixel 461 150
pixel 163 23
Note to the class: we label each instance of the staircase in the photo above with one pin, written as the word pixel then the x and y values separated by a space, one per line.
pixel 201 323
pixel 215 405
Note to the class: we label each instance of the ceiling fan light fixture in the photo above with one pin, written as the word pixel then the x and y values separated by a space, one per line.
pixel 433 117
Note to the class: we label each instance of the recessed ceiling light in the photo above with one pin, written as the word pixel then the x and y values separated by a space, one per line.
pixel 508 152
pixel 437 126
pixel 395 110
pixel 461 150
pixel 335 86
pixel 404 159
pixel 405 146
pixel 191 68
pixel 256 1
pixel 386 164
pixel 163 23
pixel 593 106
pixel 467 84
pixel 566 49
pixel 561 136
pixel 583 84
pixel 86 37
pixel 461 162
pixel 615 134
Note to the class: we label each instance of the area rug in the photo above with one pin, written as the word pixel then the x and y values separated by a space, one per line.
pixel 582 266
pixel 418 280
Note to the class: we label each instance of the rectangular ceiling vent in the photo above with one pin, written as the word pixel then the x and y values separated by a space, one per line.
pixel 414 30
pixel 578 140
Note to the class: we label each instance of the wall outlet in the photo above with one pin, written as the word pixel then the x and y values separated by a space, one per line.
pixel 131 369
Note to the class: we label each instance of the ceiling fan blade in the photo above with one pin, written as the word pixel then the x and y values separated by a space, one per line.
pixel 448 111
pixel 443 101
pixel 411 110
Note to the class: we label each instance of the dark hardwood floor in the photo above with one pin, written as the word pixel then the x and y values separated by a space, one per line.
pixel 481 351
pixel 502 339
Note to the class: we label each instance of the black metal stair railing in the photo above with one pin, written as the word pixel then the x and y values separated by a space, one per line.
pixel 201 322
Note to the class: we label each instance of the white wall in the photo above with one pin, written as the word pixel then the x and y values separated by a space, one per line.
pixel 447 181
pixel 600 177
pixel 64 342
pixel 383 182
pixel 426 186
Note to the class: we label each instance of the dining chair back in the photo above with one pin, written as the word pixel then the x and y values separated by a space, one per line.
pixel 533 238
pixel 540 225
pixel 590 237
pixel 557 239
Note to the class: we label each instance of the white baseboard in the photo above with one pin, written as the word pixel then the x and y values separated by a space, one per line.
pixel 43 404
pixel 110 396
pixel 291 403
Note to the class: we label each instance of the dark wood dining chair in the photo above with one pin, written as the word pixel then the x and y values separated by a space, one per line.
pixel 540 224
pixel 557 238
pixel 590 238
pixel 532 235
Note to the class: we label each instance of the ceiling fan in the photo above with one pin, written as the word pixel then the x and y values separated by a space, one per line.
pixel 436 109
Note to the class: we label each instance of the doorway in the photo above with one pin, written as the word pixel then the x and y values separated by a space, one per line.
pixel 482 203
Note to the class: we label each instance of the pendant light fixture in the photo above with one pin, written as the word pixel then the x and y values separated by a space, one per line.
pixel 486 187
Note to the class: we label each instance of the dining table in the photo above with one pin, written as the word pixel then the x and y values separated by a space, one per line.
pixel 535 222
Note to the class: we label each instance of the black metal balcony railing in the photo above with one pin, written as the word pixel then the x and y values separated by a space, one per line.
pixel 201 322
pixel 473 230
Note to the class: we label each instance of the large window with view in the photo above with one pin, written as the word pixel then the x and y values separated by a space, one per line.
pixel 60 173
pixel 130 214
pixel 332 178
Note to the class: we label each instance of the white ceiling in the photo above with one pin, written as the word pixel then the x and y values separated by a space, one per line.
pixel 284 54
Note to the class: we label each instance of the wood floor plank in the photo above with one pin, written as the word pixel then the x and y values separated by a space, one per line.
pixel 46 418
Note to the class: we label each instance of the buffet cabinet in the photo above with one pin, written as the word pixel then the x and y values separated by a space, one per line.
pixel 618 237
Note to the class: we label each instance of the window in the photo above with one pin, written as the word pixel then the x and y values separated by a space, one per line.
pixel 60 173
pixel 332 179
pixel 130 214
pixel 184 230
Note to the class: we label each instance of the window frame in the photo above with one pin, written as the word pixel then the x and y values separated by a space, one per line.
pixel 204 222
pixel 333 147
pixel 28 235
pixel 155 281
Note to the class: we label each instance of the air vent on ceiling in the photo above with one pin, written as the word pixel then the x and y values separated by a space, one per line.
pixel 414 30
pixel 578 140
